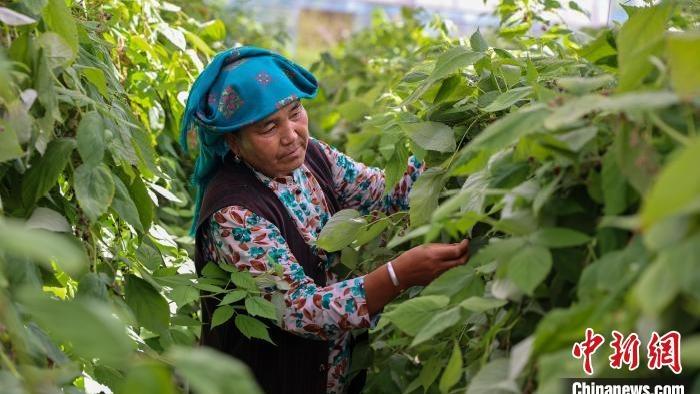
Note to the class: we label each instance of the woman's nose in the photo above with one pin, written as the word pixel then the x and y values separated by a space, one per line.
pixel 289 133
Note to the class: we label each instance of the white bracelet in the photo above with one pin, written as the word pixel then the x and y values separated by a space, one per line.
pixel 392 274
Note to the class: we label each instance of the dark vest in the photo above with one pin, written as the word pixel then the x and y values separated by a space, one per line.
pixel 296 364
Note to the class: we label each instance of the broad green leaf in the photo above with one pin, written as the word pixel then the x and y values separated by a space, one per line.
pixel 88 325
pixel 183 295
pixel 614 186
pixel 124 206
pixel 9 146
pixel 453 371
pixel 529 267
pixel 480 304
pixel 174 35
pixel 252 328
pixel 147 377
pixel 212 372
pixel 144 203
pixel 258 306
pixel 57 52
pixel 583 85
pixel 214 30
pixel 640 38
pixel 244 280
pixel 673 271
pixel 149 307
pixel 572 110
pixel 674 191
pixel 562 327
pixel 44 171
pixel 430 371
pixel 453 281
pixel 558 237
pixel 470 198
pixel 507 99
pixel 48 219
pixel 452 60
pixel 221 315
pixel 637 159
pixel 94 188
pixel 58 18
pixel 341 230
pixel 18 240
pixel 371 232
pixel 492 378
pixel 510 128
pixel 477 42
pixel 437 324
pixel 233 296
pixel 97 78
pixel 14 18
pixel 681 51
pixel 149 256
pixel 424 194
pixel 511 74
pixel 433 136
pixel 410 316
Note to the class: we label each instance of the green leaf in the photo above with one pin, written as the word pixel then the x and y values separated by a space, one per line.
pixel 149 307
pixel 14 18
pixel 424 194
pixel 558 237
pixel 140 197
pixel 452 60
pixel 9 146
pixel 212 372
pixel 146 377
pixel 87 325
pixel 371 232
pixel 508 129
pixel 430 371
pixel 258 306
pixel 453 370
pixel 573 110
pixel 18 240
pixel 221 315
pixel 183 295
pixel 124 206
pixel 492 378
pixel 437 324
pixel 233 296
pixel 58 18
pixel 174 35
pixel 614 186
pixel 410 316
pixel 674 191
pixel 341 230
pixel 97 78
pixel 433 136
pixel 94 188
pixel 252 328
pixel 480 304
pixel 507 99
pixel 454 281
pixel 582 85
pixel 44 171
pixel 244 280
pixel 477 42
pixel 214 30
pixel 529 267
pixel 640 38
pixel 681 51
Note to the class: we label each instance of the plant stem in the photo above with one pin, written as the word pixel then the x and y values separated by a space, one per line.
pixel 666 128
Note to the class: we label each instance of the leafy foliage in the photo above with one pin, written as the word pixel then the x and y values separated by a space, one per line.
pixel 567 158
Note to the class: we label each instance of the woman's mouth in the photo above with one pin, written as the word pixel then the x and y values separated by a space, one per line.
pixel 291 153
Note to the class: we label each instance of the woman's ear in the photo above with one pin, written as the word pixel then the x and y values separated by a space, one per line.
pixel 233 143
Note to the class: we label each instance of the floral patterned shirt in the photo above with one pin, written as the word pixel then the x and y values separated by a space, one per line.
pixel 241 238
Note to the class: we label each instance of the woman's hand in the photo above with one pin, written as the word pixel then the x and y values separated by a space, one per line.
pixel 414 267
pixel 420 265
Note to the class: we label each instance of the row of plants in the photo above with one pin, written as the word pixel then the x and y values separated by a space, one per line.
pixel 97 287
pixel 570 160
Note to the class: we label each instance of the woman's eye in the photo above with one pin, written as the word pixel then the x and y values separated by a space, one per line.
pixel 296 115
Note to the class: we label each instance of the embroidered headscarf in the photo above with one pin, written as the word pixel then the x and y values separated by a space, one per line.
pixel 238 87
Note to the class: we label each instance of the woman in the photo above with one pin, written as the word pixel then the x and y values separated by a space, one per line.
pixel 265 189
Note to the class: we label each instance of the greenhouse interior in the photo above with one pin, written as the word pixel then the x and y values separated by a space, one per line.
pixel 342 197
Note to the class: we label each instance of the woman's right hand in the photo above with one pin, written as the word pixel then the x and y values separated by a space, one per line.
pixel 420 265
pixel 414 267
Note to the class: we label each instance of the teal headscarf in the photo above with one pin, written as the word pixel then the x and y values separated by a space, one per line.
pixel 240 86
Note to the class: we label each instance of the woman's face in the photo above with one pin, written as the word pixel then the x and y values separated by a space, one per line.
pixel 276 145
